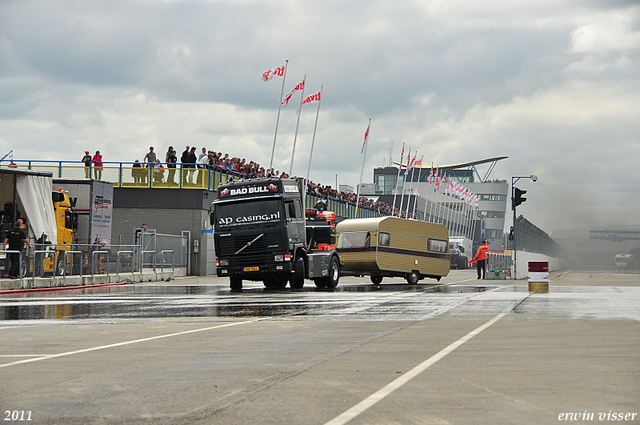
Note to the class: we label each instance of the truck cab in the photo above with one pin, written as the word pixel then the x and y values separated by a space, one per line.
pixel 260 235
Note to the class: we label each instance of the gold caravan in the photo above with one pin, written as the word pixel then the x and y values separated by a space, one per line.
pixel 393 247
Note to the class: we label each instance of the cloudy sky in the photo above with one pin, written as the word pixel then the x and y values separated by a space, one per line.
pixel 553 85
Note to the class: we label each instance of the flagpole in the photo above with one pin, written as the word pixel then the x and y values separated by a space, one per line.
pixel 295 137
pixel 313 140
pixel 273 149
pixel 413 171
pixel 404 183
pixel 415 202
pixel 362 170
pixel 395 193
pixel 432 206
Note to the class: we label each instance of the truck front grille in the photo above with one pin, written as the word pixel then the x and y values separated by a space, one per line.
pixel 259 251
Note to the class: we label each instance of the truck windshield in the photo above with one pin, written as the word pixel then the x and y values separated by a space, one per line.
pixel 254 213
pixel 354 240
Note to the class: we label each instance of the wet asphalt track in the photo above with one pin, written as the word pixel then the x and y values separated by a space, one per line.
pixel 190 351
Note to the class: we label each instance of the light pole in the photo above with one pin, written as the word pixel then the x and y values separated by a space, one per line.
pixel 517 199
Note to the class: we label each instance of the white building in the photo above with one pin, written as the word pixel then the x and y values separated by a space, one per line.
pixel 434 205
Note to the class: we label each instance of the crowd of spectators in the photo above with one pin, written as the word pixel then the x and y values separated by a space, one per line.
pixel 240 169
pixel 329 193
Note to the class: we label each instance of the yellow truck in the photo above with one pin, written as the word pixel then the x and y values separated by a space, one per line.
pixel 66 226
pixel 393 247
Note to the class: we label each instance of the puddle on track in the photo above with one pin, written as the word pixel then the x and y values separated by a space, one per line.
pixel 174 301
pixel 201 301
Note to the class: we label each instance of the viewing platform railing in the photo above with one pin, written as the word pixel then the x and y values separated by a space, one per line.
pixel 184 176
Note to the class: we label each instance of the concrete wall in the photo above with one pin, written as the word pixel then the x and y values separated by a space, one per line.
pixel 523 258
pixel 167 211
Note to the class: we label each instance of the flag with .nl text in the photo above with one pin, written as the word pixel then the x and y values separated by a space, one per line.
pixel 314 98
pixel 277 72
pixel 287 98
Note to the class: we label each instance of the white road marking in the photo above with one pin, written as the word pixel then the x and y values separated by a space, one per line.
pixel 394 385
pixel 120 344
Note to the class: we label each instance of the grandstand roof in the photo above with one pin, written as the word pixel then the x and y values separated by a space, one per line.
pixel 461 165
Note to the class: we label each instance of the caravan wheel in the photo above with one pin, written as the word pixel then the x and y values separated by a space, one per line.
pixel 413 278
pixel 376 280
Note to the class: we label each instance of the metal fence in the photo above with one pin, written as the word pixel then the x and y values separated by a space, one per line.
pixel 530 238
pixel 158 250
pixel 154 252
pixel 498 261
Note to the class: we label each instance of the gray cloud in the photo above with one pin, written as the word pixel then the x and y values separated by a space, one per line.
pixel 552 85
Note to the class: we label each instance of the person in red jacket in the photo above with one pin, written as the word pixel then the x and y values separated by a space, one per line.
pixel 481 258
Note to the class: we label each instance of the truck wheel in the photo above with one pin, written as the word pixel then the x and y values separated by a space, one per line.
pixel 297 280
pixel 60 265
pixel 376 280
pixel 413 278
pixel 330 281
pixel 236 284
pixel 23 270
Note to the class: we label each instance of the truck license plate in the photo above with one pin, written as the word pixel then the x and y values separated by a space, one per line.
pixel 251 269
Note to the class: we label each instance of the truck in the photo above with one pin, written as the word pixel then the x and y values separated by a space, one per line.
pixel 320 228
pixel 460 250
pixel 66 227
pixel 93 202
pixel 629 261
pixel 260 234
pixel 393 247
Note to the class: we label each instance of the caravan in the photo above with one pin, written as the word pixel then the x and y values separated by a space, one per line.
pixel 393 247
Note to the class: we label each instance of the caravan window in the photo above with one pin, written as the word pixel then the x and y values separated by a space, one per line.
pixel 437 245
pixel 354 240
pixel 384 239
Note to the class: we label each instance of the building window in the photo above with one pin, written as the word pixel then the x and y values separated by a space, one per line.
pixel 492 214
pixel 492 197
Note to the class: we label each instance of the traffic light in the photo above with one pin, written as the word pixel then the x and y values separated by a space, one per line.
pixel 518 198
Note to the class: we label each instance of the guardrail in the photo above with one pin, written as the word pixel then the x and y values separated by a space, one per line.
pixel 162 255
pixel 184 176
pixel 93 261
pixel 118 255
pixel 127 174
pixel 142 263
pixel 63 264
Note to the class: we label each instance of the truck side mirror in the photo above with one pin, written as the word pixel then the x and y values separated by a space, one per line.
pixel 212 217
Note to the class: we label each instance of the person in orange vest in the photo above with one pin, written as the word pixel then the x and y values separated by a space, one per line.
pixel 481 258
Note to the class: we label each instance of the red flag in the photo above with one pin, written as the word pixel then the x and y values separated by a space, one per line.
pixel 366 136
pixel 401 155
pixel 277 72
pixel 314 98
pixel 431 175
pixel 287 98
